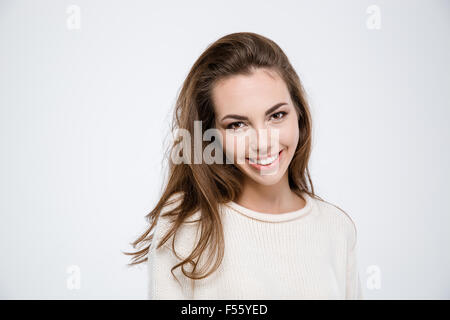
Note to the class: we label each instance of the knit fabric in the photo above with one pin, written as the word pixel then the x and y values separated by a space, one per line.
pixel 305 254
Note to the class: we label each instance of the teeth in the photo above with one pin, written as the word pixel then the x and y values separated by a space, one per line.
pixel 265 161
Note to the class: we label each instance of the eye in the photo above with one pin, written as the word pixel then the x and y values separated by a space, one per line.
pixel 280 114
pixel 231 125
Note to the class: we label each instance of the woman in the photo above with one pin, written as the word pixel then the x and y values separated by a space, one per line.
pixel 246 225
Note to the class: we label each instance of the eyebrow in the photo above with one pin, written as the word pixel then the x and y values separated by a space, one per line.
pixel 270 110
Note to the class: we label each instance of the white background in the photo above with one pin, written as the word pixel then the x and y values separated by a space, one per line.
pixel 84 114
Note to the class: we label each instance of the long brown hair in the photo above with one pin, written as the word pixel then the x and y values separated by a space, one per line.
pixel 208 185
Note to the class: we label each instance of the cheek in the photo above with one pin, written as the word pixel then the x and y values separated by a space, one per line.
pixel 234 145
pixel 289 135
pixel 229 144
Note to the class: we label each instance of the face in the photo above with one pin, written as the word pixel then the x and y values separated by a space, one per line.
pixel 258 124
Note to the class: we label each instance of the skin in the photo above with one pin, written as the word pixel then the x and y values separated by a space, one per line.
pixel 251 96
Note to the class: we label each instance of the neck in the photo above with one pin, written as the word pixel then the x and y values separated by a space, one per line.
pixel 277 198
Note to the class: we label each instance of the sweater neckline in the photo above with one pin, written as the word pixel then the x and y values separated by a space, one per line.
pixel 274 217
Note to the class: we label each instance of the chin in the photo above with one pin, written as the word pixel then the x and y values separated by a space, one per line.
pixel 267 180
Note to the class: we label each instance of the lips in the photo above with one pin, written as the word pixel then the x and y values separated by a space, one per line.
pixel 266 163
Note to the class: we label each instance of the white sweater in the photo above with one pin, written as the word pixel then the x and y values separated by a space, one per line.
pixel 305 254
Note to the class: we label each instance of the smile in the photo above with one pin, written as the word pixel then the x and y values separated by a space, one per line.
pixel 266 162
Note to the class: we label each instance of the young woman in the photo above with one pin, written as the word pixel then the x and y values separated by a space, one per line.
pixel 248 226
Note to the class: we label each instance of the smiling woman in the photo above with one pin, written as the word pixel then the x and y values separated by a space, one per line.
pixel 252 227
pixel 266 159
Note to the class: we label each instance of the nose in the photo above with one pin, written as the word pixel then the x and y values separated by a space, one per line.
pixel 263 141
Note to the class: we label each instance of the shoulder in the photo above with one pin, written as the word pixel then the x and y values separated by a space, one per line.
pixel 339 219
pixel 186 234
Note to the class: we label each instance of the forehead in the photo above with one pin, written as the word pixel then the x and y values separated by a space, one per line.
pixel 248 94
